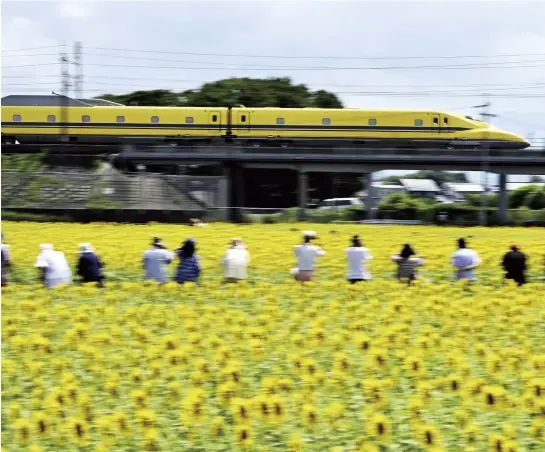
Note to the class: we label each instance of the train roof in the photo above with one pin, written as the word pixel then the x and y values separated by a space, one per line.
pixel 25 100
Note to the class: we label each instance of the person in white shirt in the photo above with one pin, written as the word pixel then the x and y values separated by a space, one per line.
pixel 53 266
pixel 235 261
pixel 465 260
pixel 306 255
pixel 356 255
pixel 155 261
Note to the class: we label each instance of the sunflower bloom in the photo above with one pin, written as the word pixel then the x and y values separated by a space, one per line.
pixel 379 427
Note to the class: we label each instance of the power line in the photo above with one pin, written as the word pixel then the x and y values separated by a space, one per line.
pixel 317 57
pixel 435 92
pixel 31 65
pixel 32 48
pixel 384 94
pixel 381 68
pixel 221 63
pixel 100 77
pixel 253 67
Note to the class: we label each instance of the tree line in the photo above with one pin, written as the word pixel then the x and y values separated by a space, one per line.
pixel 250 92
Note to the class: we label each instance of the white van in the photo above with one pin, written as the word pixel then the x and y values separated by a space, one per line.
pixel 339 203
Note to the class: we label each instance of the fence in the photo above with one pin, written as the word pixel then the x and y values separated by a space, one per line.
pixel 109 190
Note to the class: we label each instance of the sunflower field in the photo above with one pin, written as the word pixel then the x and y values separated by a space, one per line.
pixel 270 364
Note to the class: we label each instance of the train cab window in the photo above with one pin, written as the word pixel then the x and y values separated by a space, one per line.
pixel 50 118
pixel 436 120
pixel 155 119
pixel 17 118
pixel 85 118
pixel 445 121
pixel 418 122
pixel 214 118
pixel 280 121
pixel 326 121
pixel 372 122
pixel 120 119
pixel 189 120
pixel 243 118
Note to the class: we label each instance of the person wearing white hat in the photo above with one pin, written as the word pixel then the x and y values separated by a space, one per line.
pixel 53 266
pixel 89 265
pixel 306 255
pixel 235 261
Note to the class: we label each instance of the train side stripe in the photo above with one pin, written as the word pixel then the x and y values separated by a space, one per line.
pixel 234 127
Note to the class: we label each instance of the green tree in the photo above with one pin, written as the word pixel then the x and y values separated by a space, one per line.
pixel 439 177
pixel 531 196
pixel 272 92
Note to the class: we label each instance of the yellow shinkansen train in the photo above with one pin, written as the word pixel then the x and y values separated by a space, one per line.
pixel 94 122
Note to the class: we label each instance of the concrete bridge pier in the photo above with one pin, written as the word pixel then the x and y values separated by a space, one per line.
pixel 369 197
pixel 504 212
pixel 302 193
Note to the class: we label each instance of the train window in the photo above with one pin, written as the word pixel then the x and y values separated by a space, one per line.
pixel 326 121
pixel 85 118
pixel 155 119
pixel 243 118
pixel 418 122
pixel 51 118
pixel 445 121
pixel 280 121
pixel 372 122
pixel 16 118
pixel 214 118
pixel 120 119
pixel 436 120
pixel 189 120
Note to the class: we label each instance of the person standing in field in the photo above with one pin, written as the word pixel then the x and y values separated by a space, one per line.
pixel 6 262
pixel 356 255
pixel 465 261
pixel 54 269
pixel 90 265
pixel 155 261
pixel 407 263
pixel 189 268
pixel 235 261
pixel 306 255
pixel 515 265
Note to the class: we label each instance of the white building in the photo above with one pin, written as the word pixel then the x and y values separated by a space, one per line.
pixel 382 191
pixel 421 188
pixel 458 191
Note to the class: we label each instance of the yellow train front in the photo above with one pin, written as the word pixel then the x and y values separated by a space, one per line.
pixel 83 122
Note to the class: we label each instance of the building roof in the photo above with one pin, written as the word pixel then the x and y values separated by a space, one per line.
pixel 389 186
pixel 461 187
pixel 420 185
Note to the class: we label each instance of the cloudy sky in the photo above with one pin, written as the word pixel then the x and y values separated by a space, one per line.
pixel 440 55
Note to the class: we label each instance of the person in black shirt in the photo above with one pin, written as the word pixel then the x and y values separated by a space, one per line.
pixel 514 264
pixel 90 266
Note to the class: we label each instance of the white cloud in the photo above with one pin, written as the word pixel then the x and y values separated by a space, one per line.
pixel 72 10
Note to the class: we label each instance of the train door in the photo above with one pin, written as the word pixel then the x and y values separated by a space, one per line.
pixel 242 121
pixel 436 123
pixel 214 121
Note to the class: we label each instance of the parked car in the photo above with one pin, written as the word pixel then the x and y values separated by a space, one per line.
pixel 339 203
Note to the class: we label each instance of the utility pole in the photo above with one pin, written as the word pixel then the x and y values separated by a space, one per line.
pixel 65 86
pixel 78 71
pixel 485 153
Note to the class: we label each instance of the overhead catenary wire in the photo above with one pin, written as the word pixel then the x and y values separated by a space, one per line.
pixel 518 65
pixel 33 48
pixel 300 57
pixel 203 82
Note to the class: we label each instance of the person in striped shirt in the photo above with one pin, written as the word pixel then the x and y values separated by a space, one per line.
pixel 407 263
